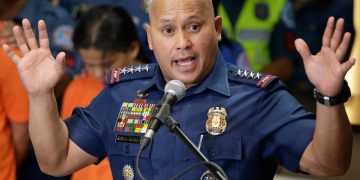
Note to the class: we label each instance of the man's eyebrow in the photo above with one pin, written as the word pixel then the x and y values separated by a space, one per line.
pixel 165 21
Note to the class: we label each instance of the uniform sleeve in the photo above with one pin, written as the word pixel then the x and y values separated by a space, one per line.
pixel 15 97
pixel 86 125
pixel 284 125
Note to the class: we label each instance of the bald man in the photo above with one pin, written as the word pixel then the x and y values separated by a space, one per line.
pixel 244 121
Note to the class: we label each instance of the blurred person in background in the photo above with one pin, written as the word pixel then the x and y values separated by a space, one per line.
pixel 60 28
pixel 107 39
pixel 14 115
pixel 254 24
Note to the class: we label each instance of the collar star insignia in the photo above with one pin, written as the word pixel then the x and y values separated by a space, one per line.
pixel 245 74
pixel 138 68
pixel 131 69
pixel 123 70
pixel 146 68
pixel 239 72
pixel 252 74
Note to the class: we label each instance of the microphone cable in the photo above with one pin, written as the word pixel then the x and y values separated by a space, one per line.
pixel 209 163
pixel 137 163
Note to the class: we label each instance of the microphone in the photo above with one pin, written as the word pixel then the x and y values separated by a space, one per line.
pixel 174 91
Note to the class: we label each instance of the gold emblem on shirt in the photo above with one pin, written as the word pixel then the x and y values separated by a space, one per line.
pixel 216 122
pixel 128 172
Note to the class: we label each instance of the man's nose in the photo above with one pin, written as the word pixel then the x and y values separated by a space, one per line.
pixel 183 40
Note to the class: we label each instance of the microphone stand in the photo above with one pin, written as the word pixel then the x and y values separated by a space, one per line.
pixel 173 125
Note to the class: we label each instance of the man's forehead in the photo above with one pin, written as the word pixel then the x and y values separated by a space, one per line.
pixel 156 5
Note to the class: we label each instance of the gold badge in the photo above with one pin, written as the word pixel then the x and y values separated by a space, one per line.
pixel 128 172
pixel 216 122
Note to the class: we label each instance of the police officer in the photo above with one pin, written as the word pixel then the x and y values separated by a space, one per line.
pixel 247 121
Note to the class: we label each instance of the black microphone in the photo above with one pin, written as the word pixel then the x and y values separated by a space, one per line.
pixel 174 91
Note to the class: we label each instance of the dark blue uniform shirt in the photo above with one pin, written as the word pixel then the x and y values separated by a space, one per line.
pixel 265 124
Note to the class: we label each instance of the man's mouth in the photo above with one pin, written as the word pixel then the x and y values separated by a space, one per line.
pixel 184 62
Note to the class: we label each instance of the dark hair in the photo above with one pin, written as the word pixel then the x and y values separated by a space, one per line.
pixel 106 28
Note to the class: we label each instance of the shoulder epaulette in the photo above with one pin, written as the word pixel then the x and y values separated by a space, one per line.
pixel 249 77
pixel 131 72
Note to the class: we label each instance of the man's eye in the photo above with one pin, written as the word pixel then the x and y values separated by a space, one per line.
pixel 194 27
pixel 167 30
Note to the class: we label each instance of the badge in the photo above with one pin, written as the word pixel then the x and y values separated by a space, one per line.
pixel 207 175
pixel 216 122
pixel 141 94
pixel 128 172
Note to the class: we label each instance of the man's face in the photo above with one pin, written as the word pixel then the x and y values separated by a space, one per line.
pixel 183 35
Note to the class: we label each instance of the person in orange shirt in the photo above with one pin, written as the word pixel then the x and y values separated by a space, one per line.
pixel 106 38
pixel 14 115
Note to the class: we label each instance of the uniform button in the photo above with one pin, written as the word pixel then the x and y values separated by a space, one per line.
pixel 211 152
pixel 126 150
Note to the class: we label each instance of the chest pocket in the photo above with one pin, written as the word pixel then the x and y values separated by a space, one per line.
pixel 217 147
pixel 226 151
pixel 122 154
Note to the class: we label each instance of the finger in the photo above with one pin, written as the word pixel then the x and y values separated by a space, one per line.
pixel 60 59
pixel 20 40
pixel 342 49
pixel 338 34
pixel 29 34
pixel 328 32
pixel 303 49
pixel 348 64
pixel 11 54
pixel 43 35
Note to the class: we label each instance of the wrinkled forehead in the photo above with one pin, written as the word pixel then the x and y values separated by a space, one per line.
pixel 159 8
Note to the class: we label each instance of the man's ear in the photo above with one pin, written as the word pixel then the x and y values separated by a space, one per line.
pixel 218 26
pixel 147 28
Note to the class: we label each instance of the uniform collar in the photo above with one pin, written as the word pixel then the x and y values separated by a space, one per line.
pixel 216 81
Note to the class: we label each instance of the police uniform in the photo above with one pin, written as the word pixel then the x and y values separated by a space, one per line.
pixel 263 124
pixel 60 27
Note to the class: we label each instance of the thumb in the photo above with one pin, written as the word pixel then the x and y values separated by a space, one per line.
pixel 348 64
pixel 303 49
pixel 60 59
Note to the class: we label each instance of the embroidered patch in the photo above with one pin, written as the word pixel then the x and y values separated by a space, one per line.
pixel 134 117
pixel 264 81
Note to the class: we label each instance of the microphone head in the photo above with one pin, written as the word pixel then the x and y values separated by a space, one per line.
pixel 176 88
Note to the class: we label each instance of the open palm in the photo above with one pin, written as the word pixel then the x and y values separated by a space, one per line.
pixel 38 69
pixel 326 69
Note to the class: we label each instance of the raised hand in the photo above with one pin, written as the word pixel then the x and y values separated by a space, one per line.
pixel 38 69
pixel 326 69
